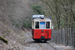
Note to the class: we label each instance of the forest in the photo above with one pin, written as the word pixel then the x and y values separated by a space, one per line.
pixel 63 16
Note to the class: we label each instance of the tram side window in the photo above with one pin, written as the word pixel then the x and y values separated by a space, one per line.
pixel 48 25
pixel 37 25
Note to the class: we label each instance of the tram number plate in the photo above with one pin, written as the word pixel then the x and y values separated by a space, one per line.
pixel 42 34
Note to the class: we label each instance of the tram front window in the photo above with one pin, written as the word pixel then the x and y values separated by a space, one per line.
pixel 37 25
pixel 42 25
pixel 48 25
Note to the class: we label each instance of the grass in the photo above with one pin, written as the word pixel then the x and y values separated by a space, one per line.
pixel 5 35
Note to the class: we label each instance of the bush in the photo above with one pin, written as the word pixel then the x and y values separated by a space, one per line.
pixel 23 23
pixel 37 8
pixel 27 24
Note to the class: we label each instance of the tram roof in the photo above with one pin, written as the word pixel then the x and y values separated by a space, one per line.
pixel 41 19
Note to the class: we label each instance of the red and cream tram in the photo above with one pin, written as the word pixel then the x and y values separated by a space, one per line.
pixel 41 28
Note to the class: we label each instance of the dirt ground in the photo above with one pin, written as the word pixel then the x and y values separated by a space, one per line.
pixel 24 41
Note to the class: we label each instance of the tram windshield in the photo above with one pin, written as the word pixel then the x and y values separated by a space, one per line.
pixel 42 25
pixel 47 25
pixel 37 25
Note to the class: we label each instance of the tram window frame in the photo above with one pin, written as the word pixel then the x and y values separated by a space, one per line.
pixel 48 25
pixel 38 24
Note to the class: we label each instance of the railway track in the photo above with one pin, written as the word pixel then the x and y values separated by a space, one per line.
pixel 42 45
pixel 30 44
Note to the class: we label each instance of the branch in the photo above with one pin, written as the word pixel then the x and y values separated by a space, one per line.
pixel 45 1
pixel 5 41
pixel 71 8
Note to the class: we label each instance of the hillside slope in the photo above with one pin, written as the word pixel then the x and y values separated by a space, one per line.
pixel 12 15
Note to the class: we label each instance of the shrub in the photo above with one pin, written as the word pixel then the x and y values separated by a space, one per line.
pixel 37 8
pixel 27 24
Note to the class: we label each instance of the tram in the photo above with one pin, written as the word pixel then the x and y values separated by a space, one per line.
pixel 41 28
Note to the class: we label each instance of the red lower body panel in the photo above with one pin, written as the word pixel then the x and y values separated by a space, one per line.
pixel 38 33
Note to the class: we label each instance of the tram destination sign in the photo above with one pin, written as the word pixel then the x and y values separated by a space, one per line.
pixel 42 20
